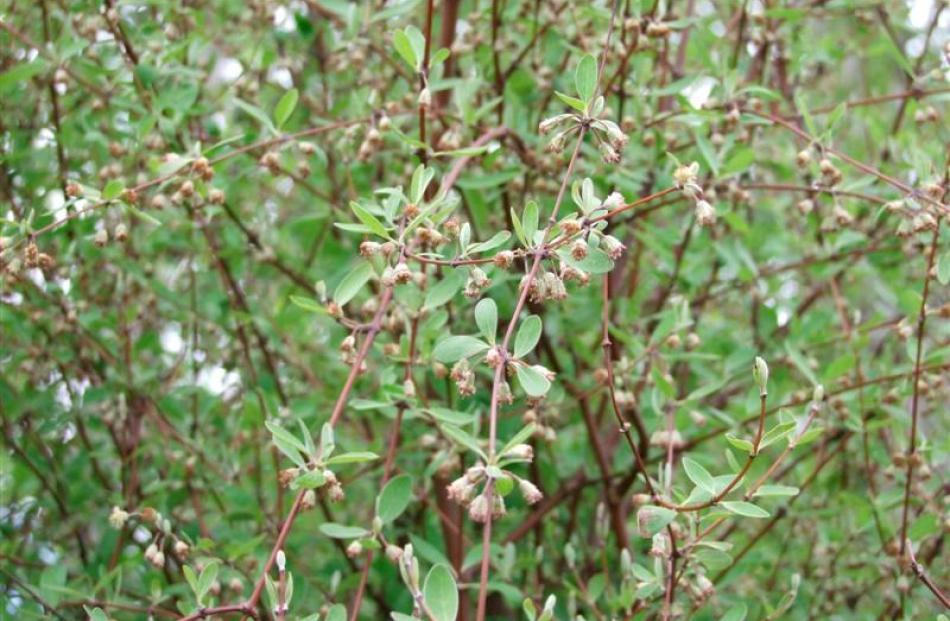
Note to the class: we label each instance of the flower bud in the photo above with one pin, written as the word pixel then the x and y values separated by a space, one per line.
pixel 613 201
pixel 529 491
pixel 520 451
pixel 705 213
pixel 354 549
pixel 425 98
pixel 479 510
pixel 613 247
pixel 760 373
pixel 181 549
pixel 393 552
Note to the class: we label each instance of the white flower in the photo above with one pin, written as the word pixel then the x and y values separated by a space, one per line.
pixel 529 491
pixel 614 201
pixel 425 98
pixel 181 549
pixel 705 213
pixel 118 517
pixel 521 451
pixel 613 246
pixel 460 490
pixel 479 510
pixel 686 175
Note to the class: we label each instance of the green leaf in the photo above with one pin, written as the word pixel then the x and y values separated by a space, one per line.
pixel 777 490
pixel 441 594
pixel 738 162
pixel 739 443
pixel 371 222
pixel 141 215
pixel 444 290
pixel 736 613
pixel 285 107
pixel 206 580
pixel 418 43
pixel 573 102
pixel 943 268
pixel 394 498
pixel 776 433
pixel 809 436
pixel 533 380
pixel 596 262
pixel 258 114
pixel 21 73
pixel 529 221
pixel 352 283
pixel 355 457
pixel 585 78
pixel 800 363
pixel 486 318
pixel 191 578
pixel 96 614
pixel 308 304
pixel 52 582
pixel 455 348
pixel 404 48
pixel 746 509
pixel 337 612
pixel 421 178
pixel 806 115
pixel 519 438
pixel 651 519
pixel 286 443
pixel 699 475
pixel 327 440
pixel 496 240
pixel 312 479
pixel 112 190
pixel 463 438
pixel 340 531
pixel 528 335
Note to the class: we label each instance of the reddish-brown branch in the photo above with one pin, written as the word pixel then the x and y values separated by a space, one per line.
pixel 915 401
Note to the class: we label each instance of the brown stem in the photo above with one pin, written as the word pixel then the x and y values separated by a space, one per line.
pixel 914 409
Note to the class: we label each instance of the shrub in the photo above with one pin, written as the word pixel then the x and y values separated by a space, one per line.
pixel 476 310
